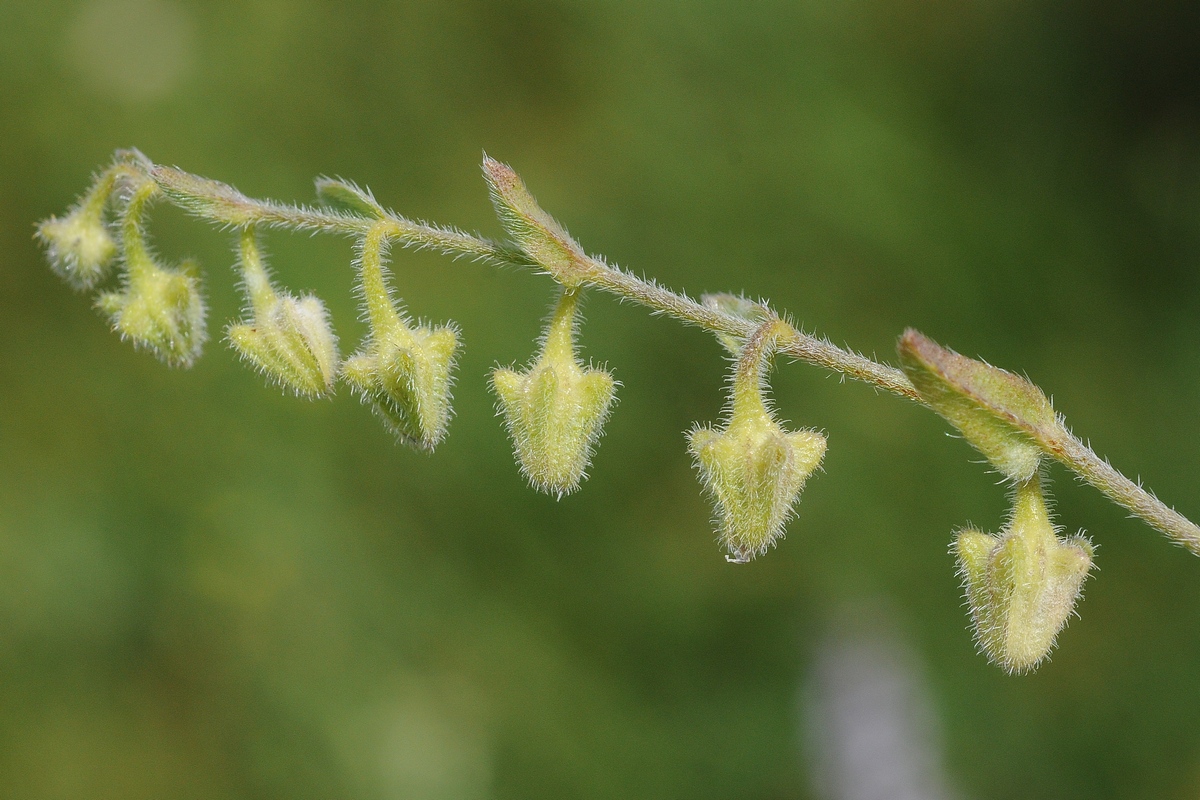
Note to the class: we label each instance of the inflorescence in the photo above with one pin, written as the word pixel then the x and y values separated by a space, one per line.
pixel 1021 585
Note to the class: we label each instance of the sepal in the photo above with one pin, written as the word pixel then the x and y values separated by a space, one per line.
pixel 755 471
pixel 1022 585
pixel 79 246
pixel 753 468
pixel 160 309
pixel 405 374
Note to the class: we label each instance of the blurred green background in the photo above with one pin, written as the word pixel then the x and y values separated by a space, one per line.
pixel 211 590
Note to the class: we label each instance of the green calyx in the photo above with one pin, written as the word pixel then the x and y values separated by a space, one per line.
pixel 158 308
pixel 79 246
pixel 161 311
pixel 1022 585
pixel 288 339
pixel 555 410
pixel 752 467
pixel 404 375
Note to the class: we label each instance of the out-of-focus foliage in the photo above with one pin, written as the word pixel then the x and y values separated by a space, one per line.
pixel 208 589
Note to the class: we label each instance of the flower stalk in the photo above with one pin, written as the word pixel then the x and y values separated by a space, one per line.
pixel 221 204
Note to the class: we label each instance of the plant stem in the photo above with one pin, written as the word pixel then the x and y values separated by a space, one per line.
pixel 1069 450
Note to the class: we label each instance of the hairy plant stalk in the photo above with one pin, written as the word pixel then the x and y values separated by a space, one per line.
pixel 1069 450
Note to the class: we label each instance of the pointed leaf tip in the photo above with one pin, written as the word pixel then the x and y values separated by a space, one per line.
pixel 537 233
pixel 1003 415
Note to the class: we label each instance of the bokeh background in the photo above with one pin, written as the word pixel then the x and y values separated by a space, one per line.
pixel 209 590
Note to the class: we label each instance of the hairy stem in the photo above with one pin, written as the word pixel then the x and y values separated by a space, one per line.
pixel 133 234
pixel 752 366
pixel 1083 461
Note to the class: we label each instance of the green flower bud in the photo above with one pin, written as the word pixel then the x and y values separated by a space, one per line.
pixel 161 310
pixel 1000 413
pixel 404 371
pixel 1022 585
pixel 555 410
pixel 404 375
pixel 752 467
pixel 288 339
pixel 158 308
pixel 79 246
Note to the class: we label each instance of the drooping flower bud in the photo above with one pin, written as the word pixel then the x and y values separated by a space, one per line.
pixel 555 410
pixel 751 466
pixel 158 308
pixel 403 371
pixel 1003 415
pixel 288 339
pixel 1022 585
pixel 79 246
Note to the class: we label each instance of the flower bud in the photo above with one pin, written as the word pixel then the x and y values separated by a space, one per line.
pixel 404 375
pixel 158 308
pixel 403 371
pixel 288 339
pixel 79 246
pixel 161 310
pixel 752 467
pixel 1022 585
pixel 555 410
pixel 1003 415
